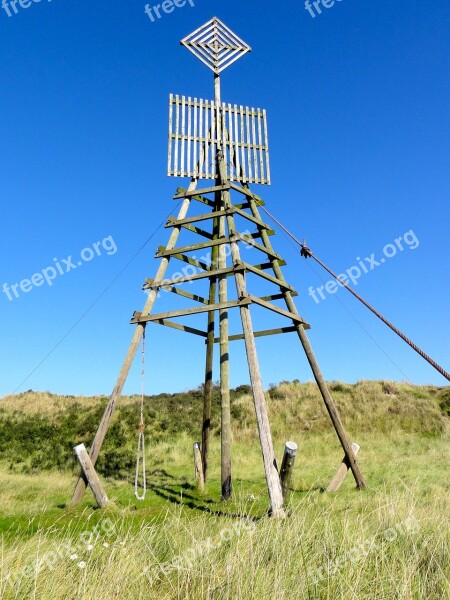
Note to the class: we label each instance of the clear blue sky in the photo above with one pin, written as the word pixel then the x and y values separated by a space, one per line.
pixel 357 100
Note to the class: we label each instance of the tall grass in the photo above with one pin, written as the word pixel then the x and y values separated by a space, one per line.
pixel 390 541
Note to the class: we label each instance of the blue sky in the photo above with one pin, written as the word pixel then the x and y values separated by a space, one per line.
pixel 357 101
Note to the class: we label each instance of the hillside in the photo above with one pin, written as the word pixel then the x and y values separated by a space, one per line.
pixel 38 430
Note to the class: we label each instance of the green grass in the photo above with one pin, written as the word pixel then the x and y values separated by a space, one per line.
pixel 390 541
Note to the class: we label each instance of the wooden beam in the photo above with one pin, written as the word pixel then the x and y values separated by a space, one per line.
pixel 187 259
pixel 247 193
pixel 294 316
pixel 182 193
pixel 180 292
pixel 342 471
pixel 153 284
pixel 192 247
pixel 172 222
pixel 198 231
pixel 240 336
pixel 138 318
pixel 251 218
pixel 269 265
pixel 282 284
pixel 251 242
pixel 91 475
pixel 181 327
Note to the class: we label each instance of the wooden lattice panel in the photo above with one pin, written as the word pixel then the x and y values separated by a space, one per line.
pixel 215 45
pixel 194 140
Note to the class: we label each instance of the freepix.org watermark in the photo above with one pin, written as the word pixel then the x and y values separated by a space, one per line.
pixel 10 6
pixel 315 7
pixel 167 7
pixel 58 268
pixel 365 265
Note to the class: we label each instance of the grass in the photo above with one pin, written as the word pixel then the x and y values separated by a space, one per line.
pixel 390 541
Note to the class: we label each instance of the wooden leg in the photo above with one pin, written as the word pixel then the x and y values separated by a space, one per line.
pixel 117 391
pixel 342 471
pixel 91 475
pixel 327 398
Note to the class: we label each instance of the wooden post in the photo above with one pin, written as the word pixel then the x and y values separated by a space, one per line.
pixel 262 418
pixel 225 404
pixel 342 471
pixel 207 393
pixel 198 465
pixel 287 466
pixel 91 475
pixel 327 398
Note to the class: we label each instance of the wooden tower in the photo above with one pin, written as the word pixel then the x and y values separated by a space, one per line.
pixel 228 145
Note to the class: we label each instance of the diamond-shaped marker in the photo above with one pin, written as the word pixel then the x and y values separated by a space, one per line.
pixel 216 45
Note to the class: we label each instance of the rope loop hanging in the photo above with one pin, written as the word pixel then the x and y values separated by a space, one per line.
pixel 140 455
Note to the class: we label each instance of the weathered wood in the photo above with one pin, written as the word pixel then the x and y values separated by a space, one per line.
pixel 155 284
pixel 189 311
pixel 198 466
pixel 91 475
pixel 225 402
pixel 172 222
pixel 290 315
pixel 287 466
pixel 209 190
pixel 180 327
pixel 240 336
pixel 189 260
pixel 327 398
pixel 80 487
pixel 192 247
pixel 208 389
pixel 278 281
pixel 342 471
pixel 251 242
pixel 179 292
pixel 265 436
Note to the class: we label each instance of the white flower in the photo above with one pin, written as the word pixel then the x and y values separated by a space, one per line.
pixel 122 543
pixel 105 545
pixel 81 565
pixel 73 556
pixel 89 547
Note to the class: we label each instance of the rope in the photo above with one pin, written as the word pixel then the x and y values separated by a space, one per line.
pixel 306 253
pixel 140 455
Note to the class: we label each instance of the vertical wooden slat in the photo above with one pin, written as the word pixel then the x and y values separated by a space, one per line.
pixel 261 152
pixel 201 136
pixel 183 134
pixel 169 153
pixel 194 169
pixel 214 117
pixel 254 142
pixel 231 151
pixel 266 142
pixel 242 142
pixel 236 145
pixel 189 137
pixel 177 126
pixel 248 142
pixel 207 139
